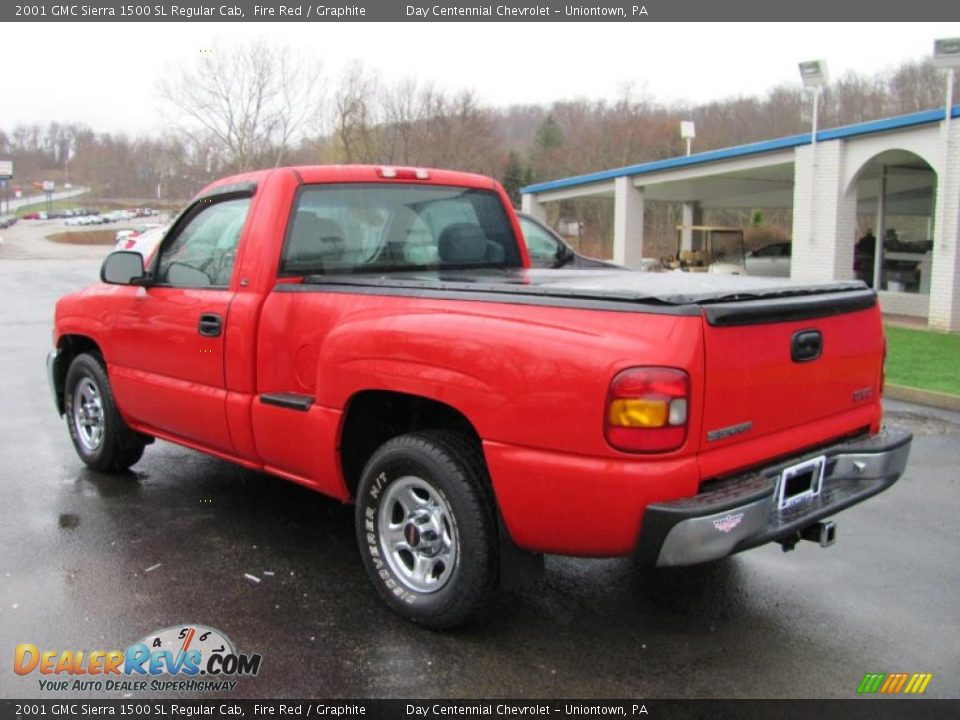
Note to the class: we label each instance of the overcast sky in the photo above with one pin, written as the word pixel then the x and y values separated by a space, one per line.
pixel 105 74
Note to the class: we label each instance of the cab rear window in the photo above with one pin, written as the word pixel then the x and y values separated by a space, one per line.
pixel 373 227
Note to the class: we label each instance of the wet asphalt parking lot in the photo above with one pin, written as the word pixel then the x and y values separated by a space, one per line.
pixel 76 546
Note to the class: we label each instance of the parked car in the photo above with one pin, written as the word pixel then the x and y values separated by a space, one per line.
pixel 548 250
pixel 143 241
pixel 376 334
pixel 7 221
pixel 771 260
pixel 136 230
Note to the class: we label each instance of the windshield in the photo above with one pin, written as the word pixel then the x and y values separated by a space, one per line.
pixel 382 227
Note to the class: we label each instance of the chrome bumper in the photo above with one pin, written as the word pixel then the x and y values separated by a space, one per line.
pixel 53 363
pixel 738 513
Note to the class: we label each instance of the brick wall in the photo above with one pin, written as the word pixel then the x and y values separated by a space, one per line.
pixel 824 217
pixel 945 275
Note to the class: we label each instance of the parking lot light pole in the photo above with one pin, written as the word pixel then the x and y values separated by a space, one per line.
pixel 946 55
pixel 688 132
pixel 813 73
pixel 814 76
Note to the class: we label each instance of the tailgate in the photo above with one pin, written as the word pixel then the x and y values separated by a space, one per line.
pixel 778 364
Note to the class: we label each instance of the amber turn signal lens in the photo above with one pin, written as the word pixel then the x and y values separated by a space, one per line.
pixel 639 412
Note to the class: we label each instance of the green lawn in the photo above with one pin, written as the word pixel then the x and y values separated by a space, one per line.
pixel 68 204
pixel 923 359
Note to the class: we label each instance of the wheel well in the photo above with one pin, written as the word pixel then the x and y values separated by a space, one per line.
pixel 375 416
pixel 70 346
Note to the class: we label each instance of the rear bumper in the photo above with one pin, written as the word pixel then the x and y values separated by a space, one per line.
pixel 741 512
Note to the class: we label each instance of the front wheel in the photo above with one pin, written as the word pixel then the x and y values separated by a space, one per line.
pixel 100 436
pixel 426 528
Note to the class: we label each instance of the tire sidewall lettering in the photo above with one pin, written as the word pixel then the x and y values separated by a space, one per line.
pixel 371 519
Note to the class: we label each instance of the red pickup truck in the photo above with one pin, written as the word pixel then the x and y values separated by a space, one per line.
pixel 376 334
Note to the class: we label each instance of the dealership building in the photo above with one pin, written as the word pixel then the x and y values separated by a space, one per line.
pixel 898 177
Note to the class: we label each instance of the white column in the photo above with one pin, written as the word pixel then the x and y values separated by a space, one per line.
pixel 691 214
pixel 627 223
pixel 824 215
pixel 531 205
pixel 945 273
pixel 881 225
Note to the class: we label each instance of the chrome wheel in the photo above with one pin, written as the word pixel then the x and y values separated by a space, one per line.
pixel 88 418
pixel 418 534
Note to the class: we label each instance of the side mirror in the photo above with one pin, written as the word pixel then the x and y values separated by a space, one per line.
pixel 122 268
pixel 564 255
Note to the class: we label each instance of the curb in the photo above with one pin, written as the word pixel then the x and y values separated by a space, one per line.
pixel 945 401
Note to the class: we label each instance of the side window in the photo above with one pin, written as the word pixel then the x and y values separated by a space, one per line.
pixel 203 252
pixel 767 251
pixel 540 245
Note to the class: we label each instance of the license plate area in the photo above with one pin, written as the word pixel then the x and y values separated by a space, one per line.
pixel 800 482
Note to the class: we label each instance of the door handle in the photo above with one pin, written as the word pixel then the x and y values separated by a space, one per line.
pixel 210 325
pixel 806 345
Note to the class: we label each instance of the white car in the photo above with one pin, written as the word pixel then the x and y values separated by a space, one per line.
pixel 138 230
pixel 144 243
pixel 771 260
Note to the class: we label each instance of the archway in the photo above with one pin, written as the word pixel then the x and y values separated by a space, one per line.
pixel 896 200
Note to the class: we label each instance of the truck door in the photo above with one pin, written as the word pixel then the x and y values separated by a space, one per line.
pixel 167 362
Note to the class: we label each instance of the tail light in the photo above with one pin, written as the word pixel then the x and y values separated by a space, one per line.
pixel 647 409
pixel 883 367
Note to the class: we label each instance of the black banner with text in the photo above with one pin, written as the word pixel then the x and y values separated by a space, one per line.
pixel 464 11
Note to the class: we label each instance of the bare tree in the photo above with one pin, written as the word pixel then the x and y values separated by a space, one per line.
pixel 252 100
pixel 354 120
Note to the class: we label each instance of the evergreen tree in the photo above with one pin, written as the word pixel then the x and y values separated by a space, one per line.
pixel 514 177
pixel 549 134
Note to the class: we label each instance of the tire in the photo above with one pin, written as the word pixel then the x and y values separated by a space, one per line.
pixel 100 436
pixel 427 530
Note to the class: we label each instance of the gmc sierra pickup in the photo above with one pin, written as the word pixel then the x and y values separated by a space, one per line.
pixel 376 334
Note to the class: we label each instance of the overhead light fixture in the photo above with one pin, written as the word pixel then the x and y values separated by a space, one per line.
pixel 946 53
pixel 814 73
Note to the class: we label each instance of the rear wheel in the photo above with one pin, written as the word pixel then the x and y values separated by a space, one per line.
pixel 426 528
pixel 100 436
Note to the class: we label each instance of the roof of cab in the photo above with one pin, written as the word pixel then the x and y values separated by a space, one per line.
pixel 312 174
pixel 370 173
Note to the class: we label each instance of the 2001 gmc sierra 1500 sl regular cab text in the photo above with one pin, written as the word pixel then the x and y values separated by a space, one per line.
pixel 377 335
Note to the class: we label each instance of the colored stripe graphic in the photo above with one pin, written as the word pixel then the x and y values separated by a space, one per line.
pixel 894 683
pixel 918 683
pixel 871 682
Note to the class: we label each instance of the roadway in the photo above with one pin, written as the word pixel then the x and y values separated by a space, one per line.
pixel 17 203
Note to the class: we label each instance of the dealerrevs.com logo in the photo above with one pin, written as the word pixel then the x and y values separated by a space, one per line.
pixel 184 658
